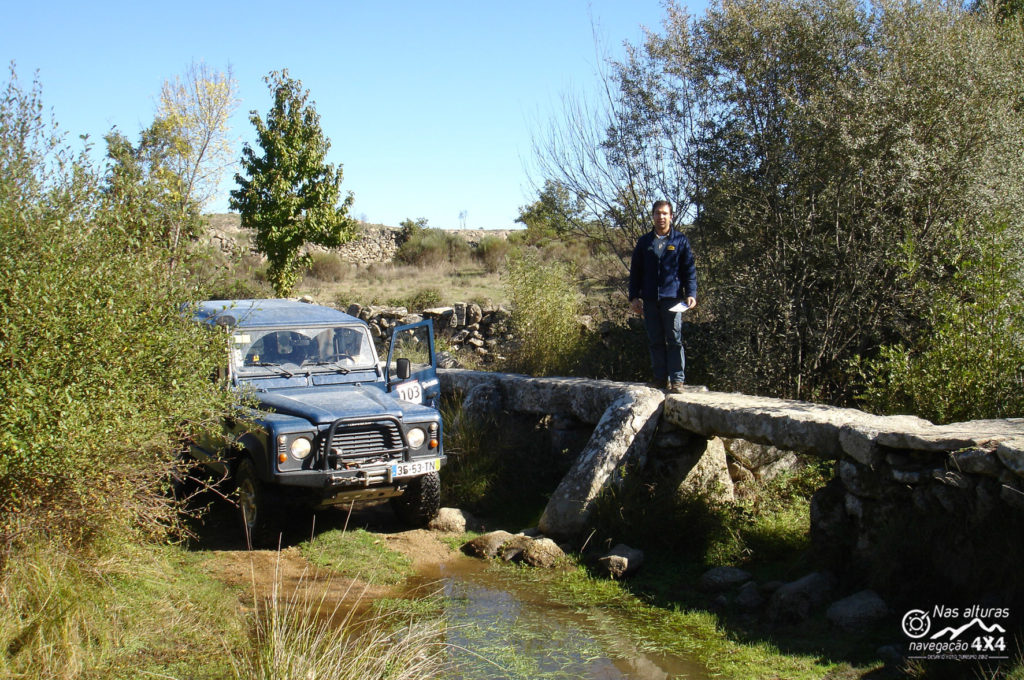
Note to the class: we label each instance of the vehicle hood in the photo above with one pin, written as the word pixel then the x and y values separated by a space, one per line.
pixel 322 405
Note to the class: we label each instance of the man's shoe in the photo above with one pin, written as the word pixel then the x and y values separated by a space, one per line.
pixel 676 387
pixel 658 384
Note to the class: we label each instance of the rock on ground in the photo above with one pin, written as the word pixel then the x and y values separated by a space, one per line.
pixel 622 561
pixel 543 552
pixel 453 520
pixel 488 545
pixel 536 552
pixel 857 612
pixel 718 579
pixel 795 601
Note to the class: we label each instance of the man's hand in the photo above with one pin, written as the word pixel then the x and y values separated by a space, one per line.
pixel 691 302
pixel 636 305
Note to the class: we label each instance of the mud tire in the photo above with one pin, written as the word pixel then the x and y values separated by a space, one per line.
pixel 257 518
pixel 420 502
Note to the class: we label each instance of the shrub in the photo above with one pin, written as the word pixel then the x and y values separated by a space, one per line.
pixel 328 267
pixel 432 248
pixel 619 352
pixel 771 522
pixel 410 229
pixel 545 304
pixel 492 251
pixel 104 374
pixel 247 278
pixel 425 298
pixel 970 364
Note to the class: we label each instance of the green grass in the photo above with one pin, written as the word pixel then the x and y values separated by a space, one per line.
pixel 144 611
pixel 131 611
pixel 358 554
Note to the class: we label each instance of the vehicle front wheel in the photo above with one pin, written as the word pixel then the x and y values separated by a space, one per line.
pixel 255 513
pixel 421 500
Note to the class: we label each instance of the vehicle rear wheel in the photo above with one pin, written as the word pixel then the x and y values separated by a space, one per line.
pixel 256 515
pixel 421 500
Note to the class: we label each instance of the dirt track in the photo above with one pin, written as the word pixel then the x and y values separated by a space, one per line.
pixel 257 571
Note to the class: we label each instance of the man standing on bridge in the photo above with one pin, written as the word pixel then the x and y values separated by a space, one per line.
pixel 662 285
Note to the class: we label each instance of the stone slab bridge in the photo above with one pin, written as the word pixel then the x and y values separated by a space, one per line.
pixel 885 465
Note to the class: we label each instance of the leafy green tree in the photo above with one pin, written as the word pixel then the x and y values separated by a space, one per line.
pixel 838 160
pixel 164 181
pixel 411 229
pixel 555 214
pixel 291 194
pixel 1002 10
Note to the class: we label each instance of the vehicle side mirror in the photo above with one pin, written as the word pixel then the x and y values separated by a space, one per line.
pixel 404 368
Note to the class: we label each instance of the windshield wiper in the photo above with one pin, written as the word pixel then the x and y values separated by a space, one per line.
pixel 284 371
pixel 339 369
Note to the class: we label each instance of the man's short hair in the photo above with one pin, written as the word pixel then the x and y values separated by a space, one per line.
pixel 658 204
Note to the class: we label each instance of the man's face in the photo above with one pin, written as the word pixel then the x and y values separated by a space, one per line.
pixel 662 219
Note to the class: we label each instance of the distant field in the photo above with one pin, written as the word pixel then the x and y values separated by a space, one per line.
pixel 391 284
pixel 340 283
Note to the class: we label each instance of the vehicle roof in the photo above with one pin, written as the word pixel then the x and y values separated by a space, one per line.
pixel 265 313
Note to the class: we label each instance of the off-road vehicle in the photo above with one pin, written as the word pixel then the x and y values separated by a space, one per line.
pixel 324 422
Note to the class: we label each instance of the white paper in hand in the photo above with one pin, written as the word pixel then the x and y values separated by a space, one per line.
pixel 679 307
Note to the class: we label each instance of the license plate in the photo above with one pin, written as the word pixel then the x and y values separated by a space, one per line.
pixel 416 467
pixel 410 391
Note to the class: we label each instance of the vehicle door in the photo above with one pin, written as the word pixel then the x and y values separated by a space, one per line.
pixel 411 369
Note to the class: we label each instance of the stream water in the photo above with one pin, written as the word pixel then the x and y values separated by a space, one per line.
pixel 500 627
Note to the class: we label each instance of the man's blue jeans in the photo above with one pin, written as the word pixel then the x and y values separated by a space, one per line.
pixel 665 337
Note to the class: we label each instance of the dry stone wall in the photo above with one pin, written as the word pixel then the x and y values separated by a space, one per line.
pixel 465 327
pixel 373 244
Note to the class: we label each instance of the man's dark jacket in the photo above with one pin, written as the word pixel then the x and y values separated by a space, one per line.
pixel 673 275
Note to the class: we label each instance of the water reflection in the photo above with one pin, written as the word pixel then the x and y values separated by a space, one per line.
pixel 498 627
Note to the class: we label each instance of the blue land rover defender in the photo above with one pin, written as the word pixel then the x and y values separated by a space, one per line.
pixel 326 422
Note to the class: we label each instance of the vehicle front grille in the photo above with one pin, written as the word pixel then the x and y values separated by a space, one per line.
pixel 365 441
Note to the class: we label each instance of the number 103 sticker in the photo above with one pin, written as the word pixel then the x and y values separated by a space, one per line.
pixel 410 391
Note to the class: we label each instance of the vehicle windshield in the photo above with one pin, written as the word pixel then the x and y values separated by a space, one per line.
pixel 273 351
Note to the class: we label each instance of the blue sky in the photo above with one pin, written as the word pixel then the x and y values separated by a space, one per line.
pixel 429 106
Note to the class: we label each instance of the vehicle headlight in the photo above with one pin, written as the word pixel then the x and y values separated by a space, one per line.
pixel 416 437
pixel 300 448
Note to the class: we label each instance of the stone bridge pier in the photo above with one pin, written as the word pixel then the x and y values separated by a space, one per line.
pixel 910 502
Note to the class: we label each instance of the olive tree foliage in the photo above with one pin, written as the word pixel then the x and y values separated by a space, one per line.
pixel 838 161
pixel 291 195
pixel 1002 10
pixel 103 374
